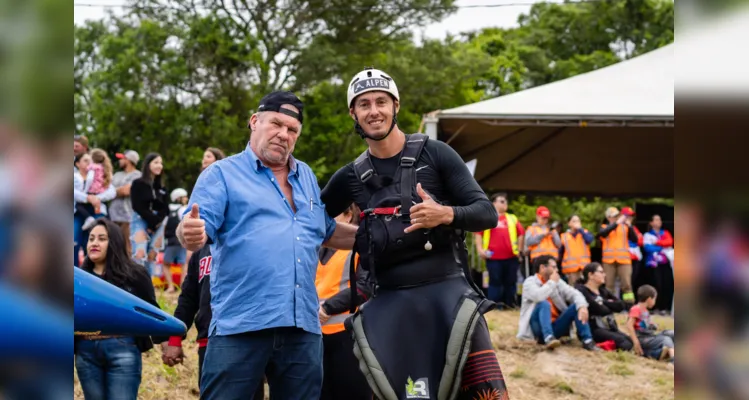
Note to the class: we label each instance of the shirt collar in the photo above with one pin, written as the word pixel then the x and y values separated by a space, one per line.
pixel 258 165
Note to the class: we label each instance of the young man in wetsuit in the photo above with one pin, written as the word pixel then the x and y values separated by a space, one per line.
pixel 418 278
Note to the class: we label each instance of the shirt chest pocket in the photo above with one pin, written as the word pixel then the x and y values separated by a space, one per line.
pixel 315 218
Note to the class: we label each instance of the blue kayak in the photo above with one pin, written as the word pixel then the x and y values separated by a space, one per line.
pixel 104 309
pixel 33 329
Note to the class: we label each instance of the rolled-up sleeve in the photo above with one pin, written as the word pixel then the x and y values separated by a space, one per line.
pixel 330 225
pixel 211 196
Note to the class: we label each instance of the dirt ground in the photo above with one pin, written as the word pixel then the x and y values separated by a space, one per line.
pixel 568 372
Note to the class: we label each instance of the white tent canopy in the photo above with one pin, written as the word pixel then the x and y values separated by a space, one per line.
pixel 638 88
pixel 606 132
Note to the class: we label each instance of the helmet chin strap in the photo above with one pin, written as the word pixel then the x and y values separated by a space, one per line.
pixel 364 135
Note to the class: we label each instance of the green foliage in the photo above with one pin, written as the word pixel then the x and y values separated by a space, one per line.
pixel 176 77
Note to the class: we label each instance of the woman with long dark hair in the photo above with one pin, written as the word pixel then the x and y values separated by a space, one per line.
pixel 151 208
pixel 602 305
pixel 210 156
pixel 110 366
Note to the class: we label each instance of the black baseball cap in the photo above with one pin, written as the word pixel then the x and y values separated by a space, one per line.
pixel 274 100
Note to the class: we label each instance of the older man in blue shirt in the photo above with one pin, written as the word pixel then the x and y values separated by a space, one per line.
pixel 261 213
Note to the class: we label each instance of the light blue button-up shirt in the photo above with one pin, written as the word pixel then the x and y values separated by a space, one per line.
pixel 264 254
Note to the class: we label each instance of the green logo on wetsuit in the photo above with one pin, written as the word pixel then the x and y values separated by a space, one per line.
pixel 418 389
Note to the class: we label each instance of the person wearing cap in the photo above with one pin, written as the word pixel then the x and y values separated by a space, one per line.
pixel 261 212
pixel 615 237
pixel 417 199
pixel 540 238
pixel 121 208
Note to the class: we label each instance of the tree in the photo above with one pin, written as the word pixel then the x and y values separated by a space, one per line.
pixel 176 77
pixel 280 33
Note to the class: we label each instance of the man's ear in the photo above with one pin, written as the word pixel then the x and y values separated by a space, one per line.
pixel 397 106
pixel 253 122
pixel 351 113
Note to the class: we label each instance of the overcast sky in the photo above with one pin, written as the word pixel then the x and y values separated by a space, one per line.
pixel 465 19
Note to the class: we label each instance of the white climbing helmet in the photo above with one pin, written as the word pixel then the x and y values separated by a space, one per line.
pixel 177 194
pixel 369 80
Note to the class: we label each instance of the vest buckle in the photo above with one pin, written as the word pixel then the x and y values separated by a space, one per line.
pixel 408 162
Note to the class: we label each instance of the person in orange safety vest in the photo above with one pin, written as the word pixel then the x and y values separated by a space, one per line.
pixel 342 378
pixel 574 254
pixel 615 237
pixel 540 239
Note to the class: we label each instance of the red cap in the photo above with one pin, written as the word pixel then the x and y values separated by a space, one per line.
pixel 628 211
pixel 119 155
pixel 543 212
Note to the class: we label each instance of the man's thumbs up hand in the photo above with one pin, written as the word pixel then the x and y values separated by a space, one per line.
pixel 195 212
pixel 193 236
pixel 428 213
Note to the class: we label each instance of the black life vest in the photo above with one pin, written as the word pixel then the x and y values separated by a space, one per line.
pixel 380 240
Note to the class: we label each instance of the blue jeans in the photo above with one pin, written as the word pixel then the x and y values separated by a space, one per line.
pixel 542 326
pixel 503 277
pixel 290 358
pixel 109 368
pixel 145 245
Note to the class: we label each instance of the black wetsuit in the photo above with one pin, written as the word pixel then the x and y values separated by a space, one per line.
pixel 445 177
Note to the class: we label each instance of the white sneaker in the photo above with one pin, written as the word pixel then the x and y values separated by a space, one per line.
pixel 89 223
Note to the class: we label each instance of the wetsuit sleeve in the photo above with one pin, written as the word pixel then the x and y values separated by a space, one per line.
pixel 341 302
pixel 336 195
pixel 189 300
pixel 473 211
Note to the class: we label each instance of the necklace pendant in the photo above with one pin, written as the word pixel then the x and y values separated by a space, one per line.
pixel 428 246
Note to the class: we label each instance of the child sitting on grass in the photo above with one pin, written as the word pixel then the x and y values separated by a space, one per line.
pixel 644 334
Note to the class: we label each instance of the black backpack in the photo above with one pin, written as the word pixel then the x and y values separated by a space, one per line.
pixel 170 230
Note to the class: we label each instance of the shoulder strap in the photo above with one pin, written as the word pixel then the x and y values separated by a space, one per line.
pixel 411 153
pixel 363 167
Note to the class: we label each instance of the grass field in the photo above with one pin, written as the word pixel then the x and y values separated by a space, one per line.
pixel 568 372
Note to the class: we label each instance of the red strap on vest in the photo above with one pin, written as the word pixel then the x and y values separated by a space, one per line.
pixel 381 211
